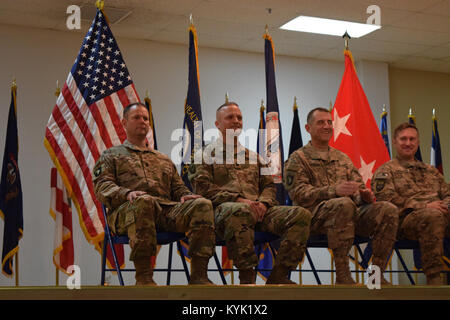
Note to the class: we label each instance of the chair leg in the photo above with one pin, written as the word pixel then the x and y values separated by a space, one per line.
pixel 316 275
pixel 169 264
pixel 405 267
pixel 219 268
pixel 113 250
pixel 104 253
pixel 183 261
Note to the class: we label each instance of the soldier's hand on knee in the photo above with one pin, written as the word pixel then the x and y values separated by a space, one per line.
pixel 262 209
pixel 189 197
pixel 347 188
pixel 367 195
pixel 134 194
pixel 254 209
pixel 439 205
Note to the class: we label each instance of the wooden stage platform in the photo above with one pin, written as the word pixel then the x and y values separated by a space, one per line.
pixel 230 292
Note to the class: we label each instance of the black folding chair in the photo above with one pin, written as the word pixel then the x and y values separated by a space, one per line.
pixel 162 238
pixel 321 241
pixel 260 238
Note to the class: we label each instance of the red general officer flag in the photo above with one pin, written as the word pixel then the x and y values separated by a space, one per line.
pixel 355 129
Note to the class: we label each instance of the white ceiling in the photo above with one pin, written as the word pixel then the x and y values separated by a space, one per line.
pixel 415 34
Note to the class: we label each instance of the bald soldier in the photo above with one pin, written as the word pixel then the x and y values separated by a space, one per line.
pixel 144 193
pixel 325 181
pixel 421 193
pixel 231 176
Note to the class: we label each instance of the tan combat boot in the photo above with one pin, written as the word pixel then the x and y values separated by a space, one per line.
pixel 144 273
pixel 247 276
pixel 199 271
pixel 381 263
pixel 279 275
pixel 434 279
pixel 343 275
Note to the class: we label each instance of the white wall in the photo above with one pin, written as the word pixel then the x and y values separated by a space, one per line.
pixel 37 58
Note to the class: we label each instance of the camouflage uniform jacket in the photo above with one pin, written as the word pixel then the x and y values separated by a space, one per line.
pixel 125 168
pixel 311 178
pixel 224 180
pixel 409 185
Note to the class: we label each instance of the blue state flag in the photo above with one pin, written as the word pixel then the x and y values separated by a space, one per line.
pixel 192 124
pixel 274 139
pixel 384 131
pixel 296 140
pixel 436 155
pixel 412 120
pixel 263 251
pixel 11 192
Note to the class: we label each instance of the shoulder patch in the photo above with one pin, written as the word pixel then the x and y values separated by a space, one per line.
pixel 379 185
pixel 289 179
pixel 98 171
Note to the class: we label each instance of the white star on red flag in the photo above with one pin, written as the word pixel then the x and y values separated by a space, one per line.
pixel 366 169
pixel 339 125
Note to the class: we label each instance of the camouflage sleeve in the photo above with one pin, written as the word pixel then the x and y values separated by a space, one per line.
pixel 384 189
pixel 268 189
pixel 179 189
pixel 444 189
pixel 106 189
pixel 201 178
pixel 354 175
pixel 299 181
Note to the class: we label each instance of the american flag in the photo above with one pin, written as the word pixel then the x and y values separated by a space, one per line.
pixel 61 211
pixel 87 120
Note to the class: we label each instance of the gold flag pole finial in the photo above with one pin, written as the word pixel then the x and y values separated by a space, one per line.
pixel 434 112
pixel 58 90
pixel 100 4
pixel 267 29
pixel 262 104
pixel 146 94
pixel 410 112
pixel 346 37
pixel 384 107
pixel 14 84
pixel 227 99
pixel 295 104
pixel 191 20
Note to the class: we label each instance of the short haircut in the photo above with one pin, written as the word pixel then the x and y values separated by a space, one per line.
pixel 309 118
pixel 131 105
pixel 226 104
pixel 403 126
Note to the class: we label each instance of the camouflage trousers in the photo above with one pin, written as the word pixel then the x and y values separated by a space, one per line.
pixel 145 215
pixel 236 225
pixel 340 219
pixel 428 227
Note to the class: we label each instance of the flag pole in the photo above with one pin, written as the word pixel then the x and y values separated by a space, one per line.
pixel 227 99
pixel 57 92
pixel 14 87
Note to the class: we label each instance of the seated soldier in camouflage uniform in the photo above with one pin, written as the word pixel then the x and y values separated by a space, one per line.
pixel 421 193
pixel 325 181
pixel 244 201
pixel 144 193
